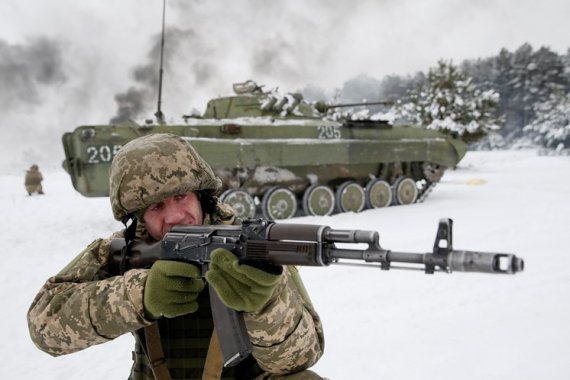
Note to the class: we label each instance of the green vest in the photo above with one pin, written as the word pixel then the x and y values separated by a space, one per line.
pixel 185 342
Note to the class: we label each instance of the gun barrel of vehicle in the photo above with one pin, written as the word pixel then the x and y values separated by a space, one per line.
pixel 380 103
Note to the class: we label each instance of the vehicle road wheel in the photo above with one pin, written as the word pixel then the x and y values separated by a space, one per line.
pixel 432 172
pixel 405 191
pixel 240 201
pixel 349 197
pixel 318 200
pixel 279 203
pixel 378 194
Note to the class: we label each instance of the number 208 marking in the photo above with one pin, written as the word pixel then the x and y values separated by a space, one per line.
pixel 101 153
pixel 328 132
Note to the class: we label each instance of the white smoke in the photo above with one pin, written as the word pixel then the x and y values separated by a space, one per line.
pixel 106 51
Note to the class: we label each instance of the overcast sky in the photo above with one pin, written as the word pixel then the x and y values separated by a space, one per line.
pixel 88 50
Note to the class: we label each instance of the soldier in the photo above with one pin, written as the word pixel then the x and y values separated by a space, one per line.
pixel 158 181
pixel 33 181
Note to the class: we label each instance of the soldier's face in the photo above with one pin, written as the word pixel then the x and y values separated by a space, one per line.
pixel 160 217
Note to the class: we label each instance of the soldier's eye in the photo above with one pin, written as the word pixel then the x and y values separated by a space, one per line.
pixel 156 206
pixel 179 197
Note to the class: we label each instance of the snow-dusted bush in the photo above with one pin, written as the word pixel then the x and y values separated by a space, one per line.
pixel 448 101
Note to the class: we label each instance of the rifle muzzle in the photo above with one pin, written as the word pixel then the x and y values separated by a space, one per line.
pixel 486 262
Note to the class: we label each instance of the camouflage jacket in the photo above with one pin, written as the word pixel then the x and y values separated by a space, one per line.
pixel 83 305
pixel 33 178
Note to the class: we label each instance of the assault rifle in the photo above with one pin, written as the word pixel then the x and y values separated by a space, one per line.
pixel 294 244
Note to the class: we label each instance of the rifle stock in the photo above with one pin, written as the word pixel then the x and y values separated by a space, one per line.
pixel 295 244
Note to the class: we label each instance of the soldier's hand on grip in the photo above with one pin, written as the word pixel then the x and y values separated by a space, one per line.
pixel 242 286
pixel 171 289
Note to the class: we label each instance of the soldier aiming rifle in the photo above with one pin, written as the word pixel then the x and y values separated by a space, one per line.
pixel 255 321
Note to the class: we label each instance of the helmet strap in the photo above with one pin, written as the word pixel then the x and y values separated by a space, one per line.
pixel 130 222
pixel 207 202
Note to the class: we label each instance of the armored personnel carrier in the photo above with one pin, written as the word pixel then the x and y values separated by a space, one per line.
pixel 278 154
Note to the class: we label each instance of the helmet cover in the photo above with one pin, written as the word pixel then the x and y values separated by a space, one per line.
pixel 154 167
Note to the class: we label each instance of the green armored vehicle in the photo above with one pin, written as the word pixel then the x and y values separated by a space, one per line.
pixel 277 154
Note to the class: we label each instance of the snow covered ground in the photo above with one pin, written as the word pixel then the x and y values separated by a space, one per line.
pixel 378 324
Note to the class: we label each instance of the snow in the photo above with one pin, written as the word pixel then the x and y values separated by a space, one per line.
pixel 378 325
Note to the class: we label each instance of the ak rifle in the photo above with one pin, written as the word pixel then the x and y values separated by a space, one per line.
pixel 295 244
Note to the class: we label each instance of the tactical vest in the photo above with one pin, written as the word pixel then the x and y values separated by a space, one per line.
pixel 185 342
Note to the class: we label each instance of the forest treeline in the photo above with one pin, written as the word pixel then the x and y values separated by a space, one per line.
pixel 512 99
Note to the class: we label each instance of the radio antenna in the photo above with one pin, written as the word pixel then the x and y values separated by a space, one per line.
pixel 159 115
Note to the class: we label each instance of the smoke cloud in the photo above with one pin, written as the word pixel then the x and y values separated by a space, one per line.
pixel 130 104
pixel 26 69
pixel 101 61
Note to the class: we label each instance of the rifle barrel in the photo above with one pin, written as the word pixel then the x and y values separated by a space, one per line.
pixel 457 260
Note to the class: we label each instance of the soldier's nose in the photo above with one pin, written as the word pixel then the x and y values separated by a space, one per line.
pixel 173 215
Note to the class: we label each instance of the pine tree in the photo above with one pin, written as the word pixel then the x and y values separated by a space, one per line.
pixel 522 78
pixel 551 128
pixel 448 101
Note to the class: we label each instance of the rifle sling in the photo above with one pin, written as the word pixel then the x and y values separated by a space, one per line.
pixel 155 354
pixel 213 366
pixel 214 361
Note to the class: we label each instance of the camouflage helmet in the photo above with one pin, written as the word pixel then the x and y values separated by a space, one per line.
pixel 154 167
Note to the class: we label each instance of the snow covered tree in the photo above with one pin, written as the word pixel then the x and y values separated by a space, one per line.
pixel 448 101
pixel 551 128
pixel 523 78
pixel 566 63
pixel 535 75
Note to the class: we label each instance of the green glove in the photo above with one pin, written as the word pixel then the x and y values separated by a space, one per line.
pixel 240 286
pixel 171 289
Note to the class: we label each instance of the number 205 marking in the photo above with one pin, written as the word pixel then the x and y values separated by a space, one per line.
pixel 101 153
pixel 328 132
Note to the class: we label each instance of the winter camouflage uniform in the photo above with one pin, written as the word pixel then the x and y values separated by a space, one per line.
pixel 84 304
pixel 33 180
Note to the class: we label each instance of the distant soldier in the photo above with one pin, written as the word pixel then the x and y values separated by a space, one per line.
pixel 34 180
